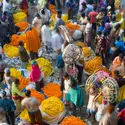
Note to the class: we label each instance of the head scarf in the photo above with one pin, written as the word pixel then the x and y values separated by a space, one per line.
pixel 35 73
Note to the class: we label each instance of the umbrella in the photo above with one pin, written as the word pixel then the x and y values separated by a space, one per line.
pixel 71 54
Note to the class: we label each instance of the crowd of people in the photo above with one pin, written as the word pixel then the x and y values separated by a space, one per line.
pixel 101 29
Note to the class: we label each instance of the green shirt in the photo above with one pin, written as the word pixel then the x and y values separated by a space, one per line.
pixel 16 91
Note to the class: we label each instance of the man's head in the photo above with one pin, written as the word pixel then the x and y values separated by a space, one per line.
pixel 66 76
pixel 17 82
pixel 47 23
pixel 84 5
pixel 28 93
pixel 121 56
pixel 38 16
pixel 59 15
pixel 58 51
pixel 21 43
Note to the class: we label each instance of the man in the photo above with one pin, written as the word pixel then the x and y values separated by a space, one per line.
pixel 92 16
pixel 57 40
pixel 60 63
pixel 87 8
pixel 8 107
pixel 23 55
pixel 59 21
pixel 32 105
pixel 3 65
pixel 46 35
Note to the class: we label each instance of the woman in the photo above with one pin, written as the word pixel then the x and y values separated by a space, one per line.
pixel 24 6
pixel 75 95
pixel 17 95
pixel 88 32
pixel 110 117
pixel 36 76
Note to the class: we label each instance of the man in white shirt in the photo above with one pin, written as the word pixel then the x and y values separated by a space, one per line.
pixel 32 105
pixel 46 34
pixel 6 5
pixel 57 40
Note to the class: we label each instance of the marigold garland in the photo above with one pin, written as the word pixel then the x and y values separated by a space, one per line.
pixel 52 89
pixel 72 120
pixel 23 82
pixel 32 40
pixel 86 51
pixel 16 38
pixel 22 25
pixel 72 26
pixel 19 17
pixel 37 95
pixel 93 65
pixel 15 73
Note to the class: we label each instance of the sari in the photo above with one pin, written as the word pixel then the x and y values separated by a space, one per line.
pixel 24 6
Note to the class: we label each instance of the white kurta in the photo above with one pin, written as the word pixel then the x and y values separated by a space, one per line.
pixel 57 41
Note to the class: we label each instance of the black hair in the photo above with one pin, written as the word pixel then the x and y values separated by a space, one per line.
pixel 37 15
pixel 47 23
pixel 118 38
pixel 113 18
pixel 43 11
pixel 66 75
pixel 116 72
pixel 121 55
pixel 20 43
pixel 16 81
pixel 94 8
pixel 117 26
pixel 84 4
pixel 83 14
pixel 99 32
pixel 88 18
pixel 59 15
pixel 28 93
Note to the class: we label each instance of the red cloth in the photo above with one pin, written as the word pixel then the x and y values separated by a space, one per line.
pixel 122 115
pixel 35 73
pixel 92 16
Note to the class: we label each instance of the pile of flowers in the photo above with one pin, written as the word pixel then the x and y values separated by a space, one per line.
pixel 72 120
pixel 52 106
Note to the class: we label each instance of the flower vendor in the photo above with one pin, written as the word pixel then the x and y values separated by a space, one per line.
pixel 32 105
pixel 23 55
pixel 36 76
pixel 17 95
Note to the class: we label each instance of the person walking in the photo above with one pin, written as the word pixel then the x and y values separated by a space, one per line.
pixel 23 55
pixel 32 105
pixel 8 107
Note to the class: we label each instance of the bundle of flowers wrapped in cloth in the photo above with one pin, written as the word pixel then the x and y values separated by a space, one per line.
pixel 93 65
pixel 52 89
pixel 11 51
pixel 53 110
pixel 72 120
pixel 19 17
pixel 16 38
pixel 22 25
pixel 45 66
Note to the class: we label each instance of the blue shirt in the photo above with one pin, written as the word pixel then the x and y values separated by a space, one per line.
pixel 7 105
pixel 59 61
pixel 120 45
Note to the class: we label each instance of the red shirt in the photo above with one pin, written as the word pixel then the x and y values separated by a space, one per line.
pixel 122 115
pixel 92 16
